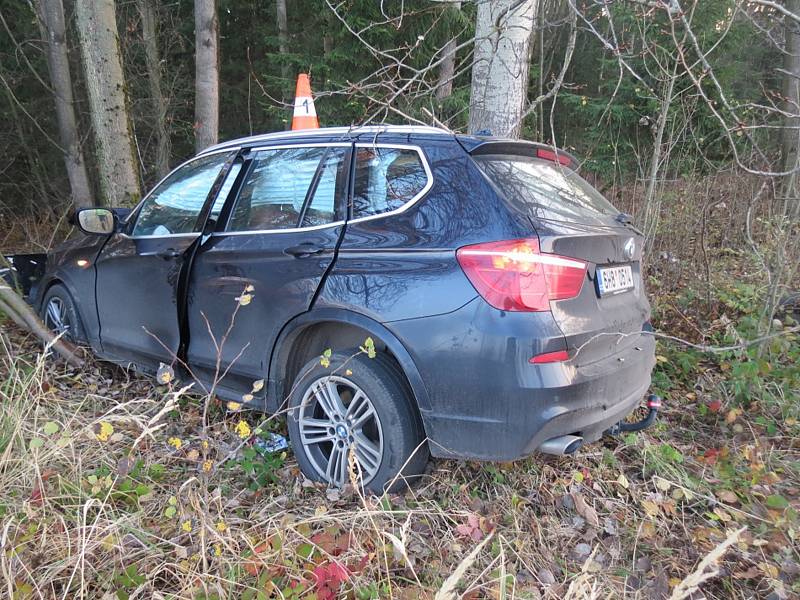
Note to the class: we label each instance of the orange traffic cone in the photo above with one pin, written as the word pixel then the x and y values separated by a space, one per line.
pixel 305 115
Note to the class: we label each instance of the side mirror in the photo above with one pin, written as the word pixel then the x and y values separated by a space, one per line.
pixel 96 221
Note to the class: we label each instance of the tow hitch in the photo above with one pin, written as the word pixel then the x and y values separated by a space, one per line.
pixel 653 404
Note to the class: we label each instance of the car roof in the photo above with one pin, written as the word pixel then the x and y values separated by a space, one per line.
pixel 473 144
pixel 329 134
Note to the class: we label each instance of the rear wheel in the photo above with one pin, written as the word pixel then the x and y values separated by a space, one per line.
pixel 60 315
pixel 355 421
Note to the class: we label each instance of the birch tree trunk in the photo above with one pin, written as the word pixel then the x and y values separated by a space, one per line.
pixel 501 67
pixel 150 37
pixel 791 93
pixel 51 16
pixel 97 25
pixel 206 104
pixel 444 85
pixel 283 38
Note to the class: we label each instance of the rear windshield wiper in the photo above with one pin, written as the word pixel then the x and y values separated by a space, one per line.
pixel 626 219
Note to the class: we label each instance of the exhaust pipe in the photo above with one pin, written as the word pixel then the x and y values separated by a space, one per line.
pixel 565 444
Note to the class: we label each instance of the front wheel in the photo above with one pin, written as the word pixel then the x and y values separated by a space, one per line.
pixel 354 420
pixel 60 314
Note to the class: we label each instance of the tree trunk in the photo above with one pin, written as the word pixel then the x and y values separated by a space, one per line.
pixel 206 104
pixel 51 16
pixel 502 63
pixel 791 92
pixel 283 40
pixel 652 205
pixel 97 25
pixel 150 36
pixel 331 23
pixel 444 86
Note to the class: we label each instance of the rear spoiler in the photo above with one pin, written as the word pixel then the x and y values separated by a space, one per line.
pixel 23 271
pixel 523 148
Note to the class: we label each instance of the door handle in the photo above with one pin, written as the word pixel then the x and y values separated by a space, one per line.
pixel 169 253
pixel 303 250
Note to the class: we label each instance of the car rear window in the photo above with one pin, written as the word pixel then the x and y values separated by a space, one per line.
pixel 546 190
pixel 386 179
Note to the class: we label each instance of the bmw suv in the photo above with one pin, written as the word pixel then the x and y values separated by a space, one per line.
pixel 402 292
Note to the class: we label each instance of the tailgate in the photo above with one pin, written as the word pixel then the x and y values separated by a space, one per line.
pixel 601 321
pixel 572 219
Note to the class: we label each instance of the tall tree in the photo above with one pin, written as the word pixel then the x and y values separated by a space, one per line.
pixel 444 85
pixel 97 25
pixel 791 93
pixel 502 63
pixel 283 38
pixel 206 105
pixel 51 17
pixel 147 10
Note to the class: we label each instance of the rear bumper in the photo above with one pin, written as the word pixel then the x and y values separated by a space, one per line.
pixel 488 402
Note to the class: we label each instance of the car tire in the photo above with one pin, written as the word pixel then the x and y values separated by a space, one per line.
pixel 60 314
pixel 388 444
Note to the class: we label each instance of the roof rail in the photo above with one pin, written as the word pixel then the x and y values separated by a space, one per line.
pixel 344 132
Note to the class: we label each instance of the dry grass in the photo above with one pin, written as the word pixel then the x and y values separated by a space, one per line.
pixel 91 513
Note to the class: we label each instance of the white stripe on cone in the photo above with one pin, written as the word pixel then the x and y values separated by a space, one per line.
pixel 304 107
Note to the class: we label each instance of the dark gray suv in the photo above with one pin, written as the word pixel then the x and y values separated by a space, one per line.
pixel 480 298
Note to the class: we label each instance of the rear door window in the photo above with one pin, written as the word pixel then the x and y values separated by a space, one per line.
pixel 546 190
pixel 386 179
pixel 291 187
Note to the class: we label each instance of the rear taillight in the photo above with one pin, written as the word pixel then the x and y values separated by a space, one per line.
pixel 513 275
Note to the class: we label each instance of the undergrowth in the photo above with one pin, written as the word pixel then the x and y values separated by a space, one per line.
pixel 114 486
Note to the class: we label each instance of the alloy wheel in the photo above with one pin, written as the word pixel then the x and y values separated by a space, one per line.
pixel 336 418
pixel 56 317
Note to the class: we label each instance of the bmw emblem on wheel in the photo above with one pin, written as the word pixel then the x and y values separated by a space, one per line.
pixel 630 248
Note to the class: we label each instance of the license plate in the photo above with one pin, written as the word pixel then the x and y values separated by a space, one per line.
pixel 613 280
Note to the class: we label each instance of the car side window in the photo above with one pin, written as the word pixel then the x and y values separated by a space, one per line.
pixel 386 179
pixel 173 206
pixel 290 185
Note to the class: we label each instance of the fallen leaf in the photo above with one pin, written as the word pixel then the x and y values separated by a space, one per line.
pixel 585 510
pixel 36 498
pixel 650 507
pixel 328 579
pixel 732 415
pixel 768 569
pixel 165 373
pixel 471 529
pixel 103 431
pixel 662 484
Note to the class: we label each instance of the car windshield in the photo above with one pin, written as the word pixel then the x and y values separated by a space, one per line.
pixel 546 190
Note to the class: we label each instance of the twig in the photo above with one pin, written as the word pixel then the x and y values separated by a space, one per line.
pixel 692 581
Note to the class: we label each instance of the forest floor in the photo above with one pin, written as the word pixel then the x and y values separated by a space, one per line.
pixel 110 487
